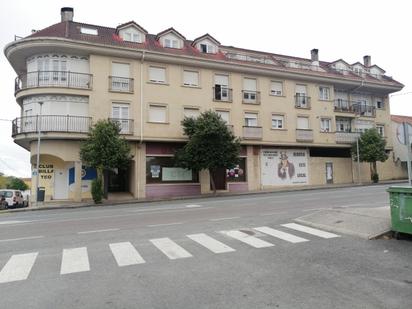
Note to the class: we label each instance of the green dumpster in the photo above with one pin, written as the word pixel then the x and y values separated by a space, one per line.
pixel 401 209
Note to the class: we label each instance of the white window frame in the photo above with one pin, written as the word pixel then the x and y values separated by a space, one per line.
pixel 157 105
pixel 382 103
pixel 277 93
pixel 303 117
pixel 381 129
pixel 325 128
pixel 220 111
pixel 158 81
pixel 247 119
pixel 191 108
pixel 187 83
pixel 171 43
pixel 90 31
pixel 123 121
pixel 324 93
pixel 278 121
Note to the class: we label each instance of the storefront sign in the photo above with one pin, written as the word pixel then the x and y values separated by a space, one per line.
pixel 284 167
pixel 46 171
pixel 176 174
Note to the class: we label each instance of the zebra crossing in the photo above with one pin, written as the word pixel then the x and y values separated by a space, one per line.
pixel 76 260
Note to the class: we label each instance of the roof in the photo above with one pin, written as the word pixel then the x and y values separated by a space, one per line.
pixel 168 30
pixel 109 36
pixel 401 119
pixel 206 36
pixel 131 23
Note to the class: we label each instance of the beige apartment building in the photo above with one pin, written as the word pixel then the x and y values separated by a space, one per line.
pixel 296 117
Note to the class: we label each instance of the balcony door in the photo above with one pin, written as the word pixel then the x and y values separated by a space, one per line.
pixel 120 77
pixel 120 114
pixel 301 96
pixel 221 87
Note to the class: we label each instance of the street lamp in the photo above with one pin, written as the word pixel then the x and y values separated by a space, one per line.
pixel 38 152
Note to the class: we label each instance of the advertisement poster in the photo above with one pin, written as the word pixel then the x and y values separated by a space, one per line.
pixel 176 174
pixel 284 167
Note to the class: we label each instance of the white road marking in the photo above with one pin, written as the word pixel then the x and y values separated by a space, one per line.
pixel 193 206
pixel 125 254
pixel 281 235
pixel 313 209
pixel 309 230
pixel 18 267
pixel 22 238
pixel 210 243
pixel 13 222
pixel 273 213
pixel 97 231
pixel 247 239
pixel 165 224
pixel 171 249
pixel 74 261
pixel 221 219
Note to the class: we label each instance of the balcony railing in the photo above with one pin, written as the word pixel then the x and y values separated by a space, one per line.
pixel 302 101
pixel 365 110
pixel 63 79
pixel 126 125
pixel 343 106
pixel 51 123
pixel 252 132
pixel 250 97
pixel 121 84
pixel 346 137
pixel 222 93
pixel 304 135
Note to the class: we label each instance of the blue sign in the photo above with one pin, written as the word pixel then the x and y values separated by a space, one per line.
pixel 88 173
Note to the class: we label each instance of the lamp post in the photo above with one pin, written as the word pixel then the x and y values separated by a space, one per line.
pixel 357 156
pixel 38 152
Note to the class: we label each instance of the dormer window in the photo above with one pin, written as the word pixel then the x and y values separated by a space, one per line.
pixel 206 44
pixel 132 37
pixel 171 43
pixel 131 32
pixel 91 31
pixel 207 49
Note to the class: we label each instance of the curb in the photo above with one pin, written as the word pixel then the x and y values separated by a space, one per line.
pixel 205 196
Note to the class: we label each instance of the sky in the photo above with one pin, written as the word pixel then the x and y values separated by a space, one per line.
pixel 339 29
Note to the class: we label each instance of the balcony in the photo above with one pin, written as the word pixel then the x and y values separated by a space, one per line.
pixel 304 135
pixel 302 101
pixel 252 132
pixel 343 106
pixel 121 84
pixel 62 79
pixel 250 97
pixel 364 110
pixel 51 123
pixel 222 93
pixel 126 125
pixel 346 137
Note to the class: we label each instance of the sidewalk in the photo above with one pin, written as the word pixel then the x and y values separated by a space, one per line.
pixel 367 223
pixel 89 203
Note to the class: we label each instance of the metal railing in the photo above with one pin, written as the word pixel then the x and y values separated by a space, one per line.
pixel 250 97
pixel 222 93
pixel 346 137
pixel 365 110
pixel 304 135
pixel 126 125
pixel 63 79
pixel 302 101
pixel 250 132
pixel 341 105
pixel 51 123
pixel 121 84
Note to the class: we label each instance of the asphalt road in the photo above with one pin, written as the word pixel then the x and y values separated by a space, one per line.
pixel 226 252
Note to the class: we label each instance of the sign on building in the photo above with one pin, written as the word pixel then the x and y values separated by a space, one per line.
pixel 281 167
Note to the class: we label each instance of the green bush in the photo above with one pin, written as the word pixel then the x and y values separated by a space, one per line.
pixel 375 178
pixel 97 190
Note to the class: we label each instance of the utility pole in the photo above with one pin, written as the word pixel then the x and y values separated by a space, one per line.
pixel 408 147
pixel 38 153
pixel 357 155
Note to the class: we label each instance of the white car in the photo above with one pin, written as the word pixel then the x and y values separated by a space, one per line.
pixel 13 198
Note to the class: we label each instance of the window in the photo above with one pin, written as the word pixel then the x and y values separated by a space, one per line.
pixel 324 93
pixel 171 43
pixel 301 99
pixel 190 78
pixel 249 90
pixel 238 173
pixel 303 123
pixel 90 31
pixel 225 115
pixel 191 112
pixel 221 89
pixel 157 113
pixel 379 104
pixel 157 75
pixel 163 170
pixel 132 37
pixel 278 121
pixel 276 88
pixel 325 125
pixel 251 119
pixel 120 79
pixel 381 129
pixel 343 124
pixel 120 114
pixel 206 48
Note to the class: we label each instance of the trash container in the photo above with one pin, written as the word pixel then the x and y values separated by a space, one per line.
pixel 401 209
pixel 40 194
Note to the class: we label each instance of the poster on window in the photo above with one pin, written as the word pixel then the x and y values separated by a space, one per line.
pixel 176 174
pixel 281 167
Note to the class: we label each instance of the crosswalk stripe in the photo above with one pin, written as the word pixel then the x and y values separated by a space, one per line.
pixel 171 249
pixel 309 230
pixel 18 267
pixel 74 260
pixel 281 235
pixel 125 254
pixel 210 243
pixel 247 239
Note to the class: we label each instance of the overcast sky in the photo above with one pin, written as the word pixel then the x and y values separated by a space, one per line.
pixel 339 29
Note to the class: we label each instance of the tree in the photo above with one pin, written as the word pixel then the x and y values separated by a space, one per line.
pixel 371 149
pixel 105 149
pixel 16 184
pixel 211 145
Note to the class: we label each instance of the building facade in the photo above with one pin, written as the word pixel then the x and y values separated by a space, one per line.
pixel 296 117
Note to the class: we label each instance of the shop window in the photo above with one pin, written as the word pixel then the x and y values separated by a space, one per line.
pixel 163 170
pixel 238 173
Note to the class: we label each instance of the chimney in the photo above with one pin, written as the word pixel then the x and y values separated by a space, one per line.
pixel 67 14
pixel 314 55
pixel 367 61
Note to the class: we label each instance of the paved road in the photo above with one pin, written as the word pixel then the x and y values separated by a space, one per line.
pixel 227 252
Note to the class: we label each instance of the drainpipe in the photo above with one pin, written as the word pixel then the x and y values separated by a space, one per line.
pixel 141 121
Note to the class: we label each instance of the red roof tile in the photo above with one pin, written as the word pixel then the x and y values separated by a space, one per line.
pixel 400 119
